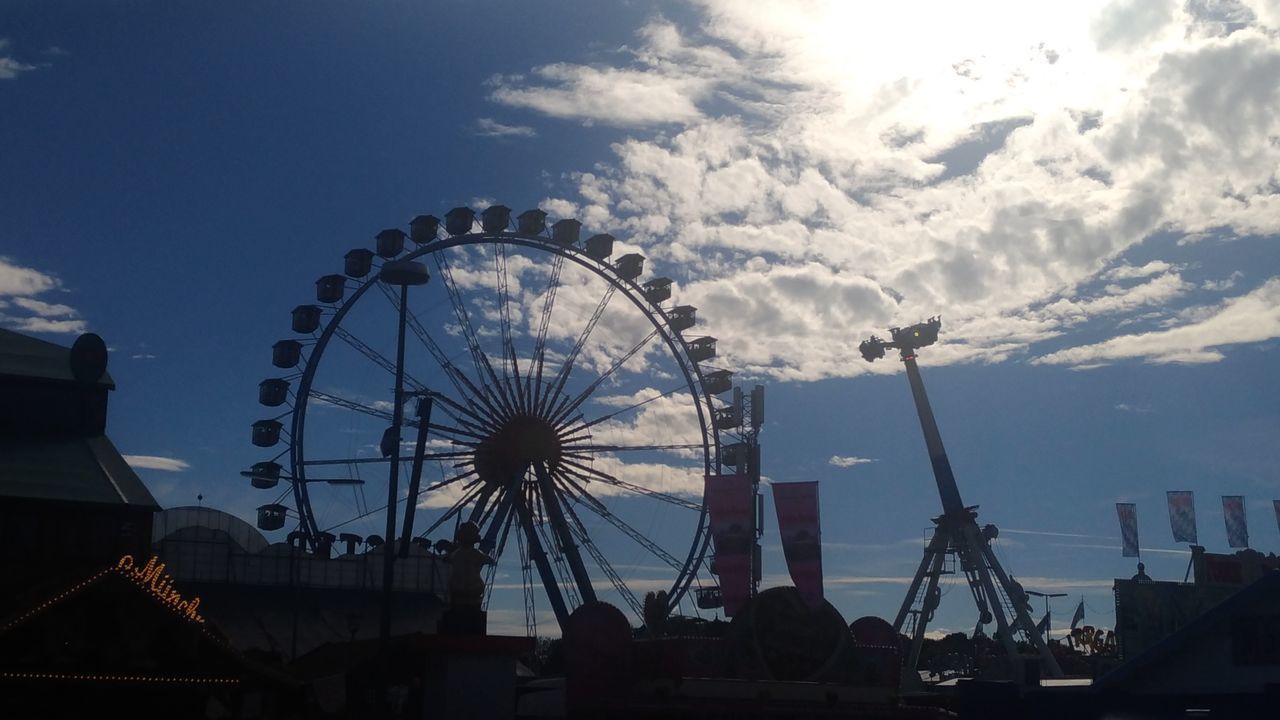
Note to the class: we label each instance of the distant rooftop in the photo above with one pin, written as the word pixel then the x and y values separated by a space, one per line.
pixel 78 469
pixel 23 356
pixel 52 445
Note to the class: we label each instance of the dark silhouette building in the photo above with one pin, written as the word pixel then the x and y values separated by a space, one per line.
pixel 69 503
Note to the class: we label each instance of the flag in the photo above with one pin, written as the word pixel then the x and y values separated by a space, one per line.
pixel 800 529
pixel 1237 528
pixel 1075 619
pixel 1276 503
pixel 1128 513
pixel 1043 626
pixel 977 629
pixel 1182 516
pixel 731 509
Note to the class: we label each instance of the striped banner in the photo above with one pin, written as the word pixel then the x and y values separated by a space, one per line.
pixel 1237 527
pixel 731 510
pixel 1182 516
pixel 1128 513
pixel 800 528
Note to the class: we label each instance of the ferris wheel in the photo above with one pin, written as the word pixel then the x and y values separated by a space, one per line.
pixel 509 374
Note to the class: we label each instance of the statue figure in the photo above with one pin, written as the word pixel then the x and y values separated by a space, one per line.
pixel 655 613
pixel 466 586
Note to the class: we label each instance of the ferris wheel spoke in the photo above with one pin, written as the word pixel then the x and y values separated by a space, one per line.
pixel 554 549
pixel 379 508
pixel 590 423
pixel 584 538
pixel 583 498
pixel 563 375
pixel 470 491
pixel 502 532
pixel 363 348
pixel 588 473
pixel 539 556
pixel 499 519
pixel 479 510
pixel 387 415
pixel 504 315
pixel 560 526
pixel 447 482
pixel 567 407
pixel 575 451
pixel 349 404
pixel 540 345
pixel 526 578
pixel 463 415
pixel 467 390
pixel 483 367
pixel 380 461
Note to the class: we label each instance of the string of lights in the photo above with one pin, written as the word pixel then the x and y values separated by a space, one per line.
pixel 120 678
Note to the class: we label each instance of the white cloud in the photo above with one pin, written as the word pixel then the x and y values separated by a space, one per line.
pixel 1116 548
pixel 44 325
pixel 1254 317
pixel 44 309
pixel 156 462
pixel 1127 272
pixel 1048 583
pixel 1224 284
pixel 867 580
pixel 18 280
pixel 842 461
pixel 836 148
pixel 616 97
pixel 488 127
pixel 1120 299
pixel 10 67
pixel 1048 533
pixel 21 284
pixel 1126 407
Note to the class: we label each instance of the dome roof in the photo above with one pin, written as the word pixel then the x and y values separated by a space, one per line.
pixel 168 522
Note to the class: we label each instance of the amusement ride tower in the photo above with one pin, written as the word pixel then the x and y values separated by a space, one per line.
pixel 957 535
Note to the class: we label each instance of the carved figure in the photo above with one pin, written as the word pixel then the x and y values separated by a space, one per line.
pixel 466 585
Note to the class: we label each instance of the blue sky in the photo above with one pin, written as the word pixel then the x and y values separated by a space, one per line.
pixel 1089 198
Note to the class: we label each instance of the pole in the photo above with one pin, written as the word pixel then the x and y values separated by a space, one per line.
pixel 951 503
pixel 397 419
pixel 415 474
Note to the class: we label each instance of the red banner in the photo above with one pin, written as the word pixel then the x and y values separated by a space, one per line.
pixel 799 526
pixel 731 508
pixel 1128 513
pixel 1233 513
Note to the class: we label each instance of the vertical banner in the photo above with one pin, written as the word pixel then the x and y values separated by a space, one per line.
pixel 1276 503
pixel 1128 513
pixel 799 526
pixel 731 509
pixel 1182 516
pixel 1233 513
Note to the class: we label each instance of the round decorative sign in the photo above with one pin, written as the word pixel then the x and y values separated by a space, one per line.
pixel 88 358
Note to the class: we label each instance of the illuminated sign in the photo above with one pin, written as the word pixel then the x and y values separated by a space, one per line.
pixel 152 578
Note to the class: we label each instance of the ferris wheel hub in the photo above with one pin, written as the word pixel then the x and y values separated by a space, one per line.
pixel 519 443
